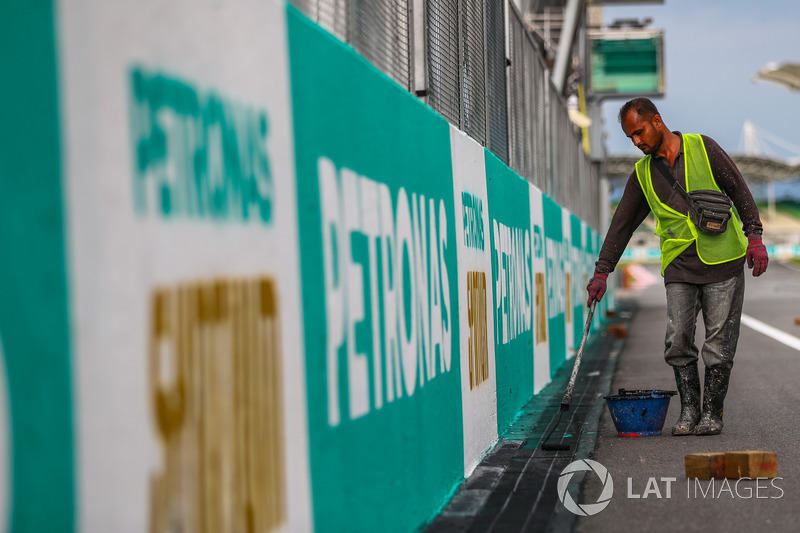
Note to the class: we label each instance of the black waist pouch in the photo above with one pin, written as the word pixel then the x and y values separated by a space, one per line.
pixel 709 210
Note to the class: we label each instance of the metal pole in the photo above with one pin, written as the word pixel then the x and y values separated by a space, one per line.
pixel 572 15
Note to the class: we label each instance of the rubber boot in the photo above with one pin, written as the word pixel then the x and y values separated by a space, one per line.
pixel 714 391
pixel 687 380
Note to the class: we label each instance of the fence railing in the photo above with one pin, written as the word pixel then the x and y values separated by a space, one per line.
pixel 477 65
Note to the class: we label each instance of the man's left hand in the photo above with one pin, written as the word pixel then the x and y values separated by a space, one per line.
pixel 757 258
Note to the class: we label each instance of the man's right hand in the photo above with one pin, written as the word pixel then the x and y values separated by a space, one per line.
pixel 596 287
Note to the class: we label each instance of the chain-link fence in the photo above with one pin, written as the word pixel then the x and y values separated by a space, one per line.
pixel 380 30
pixel 473 69
pixel 528 92
pixel 484 73
pixel 444 59
pixel 497 135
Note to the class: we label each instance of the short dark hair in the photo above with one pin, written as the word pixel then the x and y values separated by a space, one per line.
pixel 644 107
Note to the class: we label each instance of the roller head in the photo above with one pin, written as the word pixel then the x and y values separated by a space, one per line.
pixel 555 447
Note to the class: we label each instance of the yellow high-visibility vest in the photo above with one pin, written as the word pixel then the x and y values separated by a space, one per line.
pixel 675 229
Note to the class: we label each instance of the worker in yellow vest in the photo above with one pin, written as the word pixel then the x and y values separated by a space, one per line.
pixel 702 270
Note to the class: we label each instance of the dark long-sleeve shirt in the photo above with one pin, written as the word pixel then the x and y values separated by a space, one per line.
pixel 633 209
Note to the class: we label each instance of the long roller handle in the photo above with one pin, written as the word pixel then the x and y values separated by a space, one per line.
pixel 571 386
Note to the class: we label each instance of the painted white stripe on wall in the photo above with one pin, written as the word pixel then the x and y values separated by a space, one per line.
pixel 119 257
pixel 479 404
pixel 781 336
pixel 541 345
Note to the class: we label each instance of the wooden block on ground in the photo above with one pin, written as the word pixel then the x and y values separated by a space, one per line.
pixel 797 321
pixel 618 331
pixel 705 465
pixel 752 464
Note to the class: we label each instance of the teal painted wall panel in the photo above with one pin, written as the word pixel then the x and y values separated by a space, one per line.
pixel 555 255
pixel 378 256
pixel 579 281
pixel 34 328
pixel 510 221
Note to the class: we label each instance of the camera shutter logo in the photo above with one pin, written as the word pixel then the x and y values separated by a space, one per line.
pixel 586 509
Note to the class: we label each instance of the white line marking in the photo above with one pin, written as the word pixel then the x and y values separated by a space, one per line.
pixel 789 265
pixel 780 336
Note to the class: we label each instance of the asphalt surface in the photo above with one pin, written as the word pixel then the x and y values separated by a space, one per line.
pixel 760 414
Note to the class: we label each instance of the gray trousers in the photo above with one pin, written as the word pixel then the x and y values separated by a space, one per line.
pixel 721 304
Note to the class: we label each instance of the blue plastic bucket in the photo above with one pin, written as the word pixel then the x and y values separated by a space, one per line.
pixel 639 413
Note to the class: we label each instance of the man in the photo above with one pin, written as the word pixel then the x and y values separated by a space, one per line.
pixel 702 271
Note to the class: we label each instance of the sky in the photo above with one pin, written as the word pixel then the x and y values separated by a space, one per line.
pixel 713 48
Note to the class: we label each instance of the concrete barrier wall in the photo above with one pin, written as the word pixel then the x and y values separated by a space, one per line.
pixel 249 283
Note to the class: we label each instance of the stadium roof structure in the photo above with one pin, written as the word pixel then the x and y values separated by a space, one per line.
pixel 755 167
pixel 786 75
